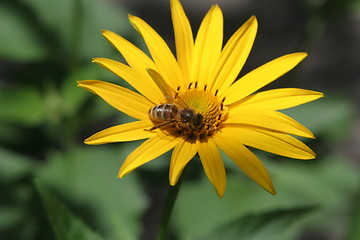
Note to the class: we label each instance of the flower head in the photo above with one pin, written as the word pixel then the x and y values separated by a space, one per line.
pixel 193 103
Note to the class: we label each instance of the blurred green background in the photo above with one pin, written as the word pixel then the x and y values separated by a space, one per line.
pixel 55 187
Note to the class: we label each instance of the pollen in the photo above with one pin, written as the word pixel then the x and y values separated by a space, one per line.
pixel 212 111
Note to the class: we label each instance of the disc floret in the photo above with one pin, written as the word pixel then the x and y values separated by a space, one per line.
pixel 206 104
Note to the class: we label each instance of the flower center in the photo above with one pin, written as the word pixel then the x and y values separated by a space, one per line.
pixel 210 113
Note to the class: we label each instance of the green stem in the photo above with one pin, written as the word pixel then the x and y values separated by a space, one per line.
pixel 169 206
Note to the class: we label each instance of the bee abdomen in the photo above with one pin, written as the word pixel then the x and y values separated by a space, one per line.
pixel 163 112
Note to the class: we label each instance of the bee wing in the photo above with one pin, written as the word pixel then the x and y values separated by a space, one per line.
pixel 168 92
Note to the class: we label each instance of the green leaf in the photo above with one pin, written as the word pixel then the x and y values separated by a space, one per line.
pixel 14 166
pixel 23 106
pixel 99 15
pixel 354 230
pixel 87 177
pixel 273 225
pixel 65 224
pixel 18 40
pixel 78 24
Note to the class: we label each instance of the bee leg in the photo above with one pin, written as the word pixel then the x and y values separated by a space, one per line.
pixel 160 125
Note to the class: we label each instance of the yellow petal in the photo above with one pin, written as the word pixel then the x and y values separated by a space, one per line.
pixel 213 165
pixel 150 149
pixel 182 154
pixel 136 58
pixel 160 52
pixel 122 99
pixel 122 133
pixel 234 55
pixel 142 83
pixel 262 76
pixel 268 119
pixel 184 40
pixel 245 159
pixel 274 142
pixel 276 99
pixel 208 46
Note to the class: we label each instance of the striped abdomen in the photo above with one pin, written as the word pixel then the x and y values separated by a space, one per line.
pixel 163 112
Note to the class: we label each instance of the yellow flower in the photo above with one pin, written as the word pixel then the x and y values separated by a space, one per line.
pixel 193 104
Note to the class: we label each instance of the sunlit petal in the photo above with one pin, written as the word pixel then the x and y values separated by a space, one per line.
pixel 136 58
pixel 262 76
pixel 160 52
pixel 276 99
pixel 120 98
pixel 208 46
pixel 182 154
pixel 142 83
pixel 122 133
pixel 271 120
pixel 274 142
pixel 234 55
pixel 148 151
pixel 246 160
pixel 183 38
pixel 213 165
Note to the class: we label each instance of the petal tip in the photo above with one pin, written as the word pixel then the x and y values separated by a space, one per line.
pixel 216 8
pixel 132 17
pixel 311 155
pixel 90 141
pixel 253 22
pixel 273 191
pixel 121 173
pixel 220 193
pixel 303 54
pixel 253 18
pixel 106 33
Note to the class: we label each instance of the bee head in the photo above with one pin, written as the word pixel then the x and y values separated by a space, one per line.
pixel 189 115
pixel 198 119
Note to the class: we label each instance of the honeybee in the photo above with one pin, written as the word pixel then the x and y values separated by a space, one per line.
pixel 174 110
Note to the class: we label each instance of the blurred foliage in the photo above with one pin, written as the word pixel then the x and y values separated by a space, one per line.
pixel 64 223
pixel 46 46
